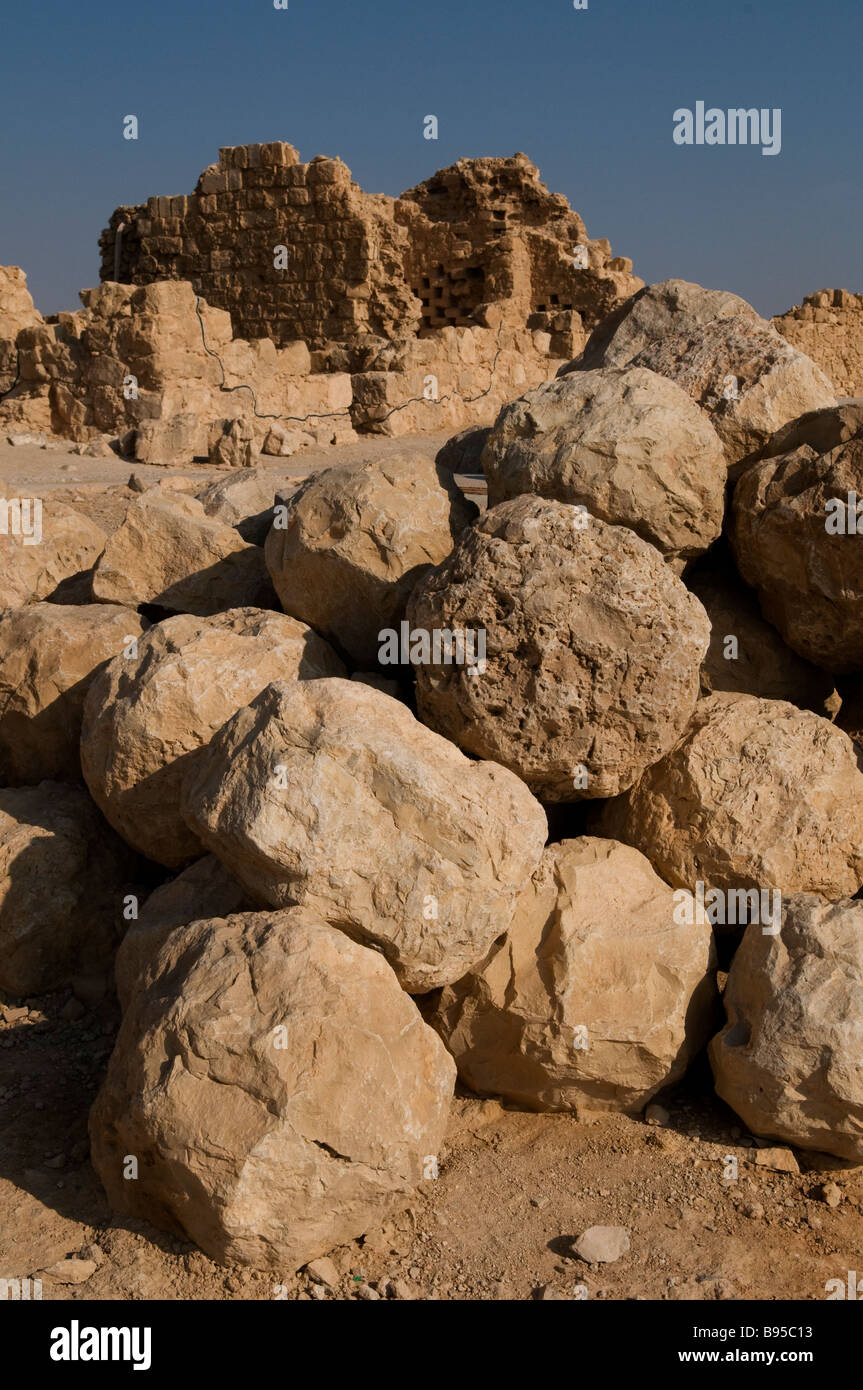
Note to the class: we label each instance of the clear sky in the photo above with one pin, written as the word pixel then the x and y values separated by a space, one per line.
pixel 589 94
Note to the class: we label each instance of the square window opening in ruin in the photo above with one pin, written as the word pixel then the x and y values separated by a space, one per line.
pixel 555 299
pixel 426 283
pixel 540 308
pixel 438 294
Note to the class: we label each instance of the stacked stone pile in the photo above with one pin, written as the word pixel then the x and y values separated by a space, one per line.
pixel 332 721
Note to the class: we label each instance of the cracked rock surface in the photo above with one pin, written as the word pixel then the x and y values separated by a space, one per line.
pixel 330 795
pixel 595 998
pixel 280 1092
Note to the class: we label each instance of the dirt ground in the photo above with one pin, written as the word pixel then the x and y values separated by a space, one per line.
pixel 513 1189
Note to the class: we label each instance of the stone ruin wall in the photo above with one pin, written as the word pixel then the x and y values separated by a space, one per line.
pixel 828 327
pixel 422 313
pixel 361 264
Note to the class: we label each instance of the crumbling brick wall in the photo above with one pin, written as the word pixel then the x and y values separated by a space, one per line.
pixel 828 327
pixel 485 231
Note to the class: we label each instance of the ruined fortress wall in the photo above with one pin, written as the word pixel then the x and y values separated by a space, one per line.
pixel 342 267
pixel 828 327
pixel 485 231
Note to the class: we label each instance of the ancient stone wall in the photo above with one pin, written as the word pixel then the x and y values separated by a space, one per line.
pixel 485 231
pixel 17 311
pixel 828 327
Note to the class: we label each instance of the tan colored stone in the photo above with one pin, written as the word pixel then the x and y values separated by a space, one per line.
pixel 169 553
pixel 595 999
pixel 788 1059
pixel 355 541
pixel 809 579
pixel 230 443
pixel 49 655
pixel 627 444
pixel 63 876
pixel 654 312
pixel 757 795
pixel 822 430
pixel 593 649
pixel 204 890
pixel 53 567
pixel 148 717
pixel 330 795
pixel 828 327
pixel 747 377
pixel 245 500
pixel 297 1112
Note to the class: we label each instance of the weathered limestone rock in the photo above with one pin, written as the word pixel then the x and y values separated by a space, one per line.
pixel 245 500
pixel 828 327
pixel 788 1059
pixel 63 875
pixel 653 313
pixel 627 444
pixel 202 891
pixel 178 439
pixel 46 551
pixel 49 655
pixel 231 443
pixel 747 377
pixel 168 552
pixel 795 540
pixel 757 795
pixel 356 540
pixel 17 311
pixel 822 430
pixel 595 998
pixel 280 442
pixel 593 649
pixel 747 656
pixel 302 1100
pixel 148 717
pixel 330 795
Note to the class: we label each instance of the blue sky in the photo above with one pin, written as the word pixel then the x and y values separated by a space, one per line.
pixel 588 94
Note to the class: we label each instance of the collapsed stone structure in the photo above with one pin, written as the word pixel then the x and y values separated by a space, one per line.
pixel 483 232
pixel 352 311
pixel 828 327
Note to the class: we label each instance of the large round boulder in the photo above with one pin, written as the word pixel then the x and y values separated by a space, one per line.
pixel 280 1093
pixel 595 999
pixel 354 540
pixel 64 879
pixel 148 715
pixel 331 795
pixel 788 1061
pixel 593 649
pixel 758 795
pixel 627 444
pixel 795 537
pixel 49 655
pixel 748 378
pixel 657 311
